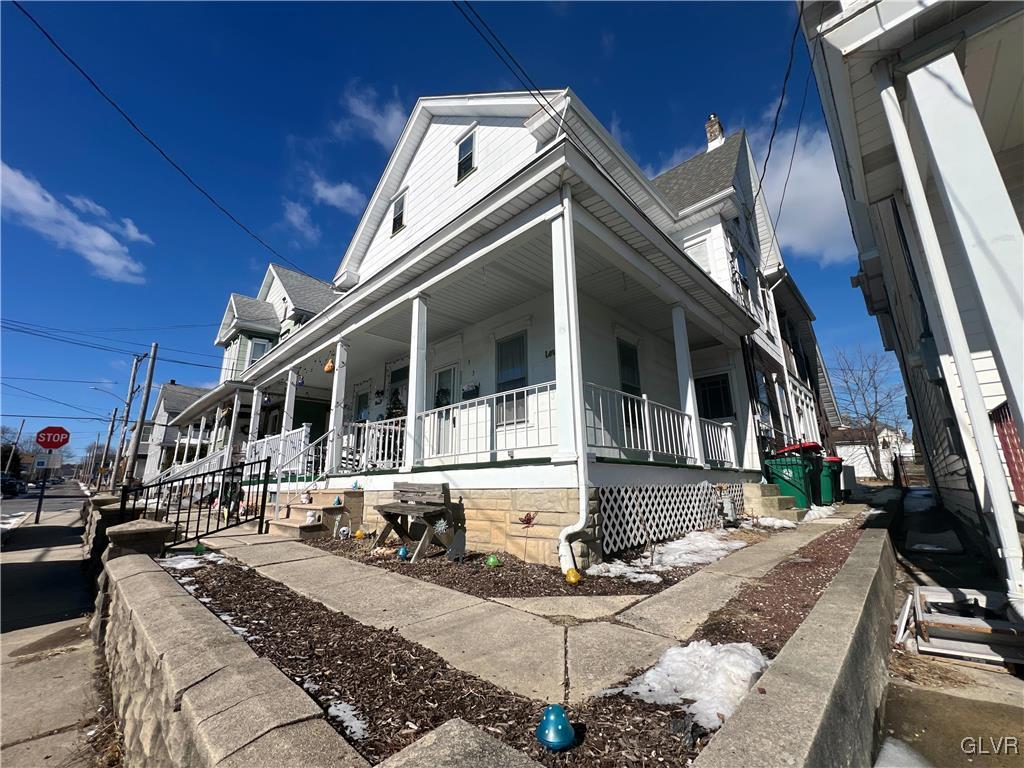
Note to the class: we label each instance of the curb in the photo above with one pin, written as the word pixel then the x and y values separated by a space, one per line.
pixel 823 692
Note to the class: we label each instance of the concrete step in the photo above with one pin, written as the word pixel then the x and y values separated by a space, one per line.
pixel 776 503
pixel 296 528
pixel 759 490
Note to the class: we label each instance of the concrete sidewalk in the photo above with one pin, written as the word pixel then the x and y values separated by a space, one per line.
pixel 555 649
pixel 48 699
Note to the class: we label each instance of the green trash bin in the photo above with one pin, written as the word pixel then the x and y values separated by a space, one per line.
pixel 832 480
pixel 792 473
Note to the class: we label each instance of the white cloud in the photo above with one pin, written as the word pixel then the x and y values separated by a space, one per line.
pixel 29 204
pixel 618 133
pixel 132 233
pixel 814 221
pixel 607 43
pixel 343 196
pixel 297 215
pixel 85 205
pixel 381 120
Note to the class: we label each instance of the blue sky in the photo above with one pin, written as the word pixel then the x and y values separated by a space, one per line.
pixel 287 113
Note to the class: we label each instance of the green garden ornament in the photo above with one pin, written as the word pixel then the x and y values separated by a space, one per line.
pixel 492 561
pixel 199 549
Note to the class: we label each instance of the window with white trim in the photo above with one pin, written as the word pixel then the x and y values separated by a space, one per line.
pixel 510 374
pixel 257 349
pixel 467 152
pixel 398 214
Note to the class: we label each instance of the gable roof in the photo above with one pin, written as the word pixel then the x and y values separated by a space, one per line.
pixel 700 177
pixel 177 397
pixel 252 314
pixel 306 293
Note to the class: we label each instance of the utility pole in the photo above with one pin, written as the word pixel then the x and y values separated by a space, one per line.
pixel 127 414
pixel 133 451
pixel 106 445
pixel 14 447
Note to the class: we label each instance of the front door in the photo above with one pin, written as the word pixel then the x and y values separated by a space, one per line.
pixel 442 423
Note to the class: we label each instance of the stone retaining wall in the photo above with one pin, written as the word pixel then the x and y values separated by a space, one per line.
pixel 823 692
pixel 189 692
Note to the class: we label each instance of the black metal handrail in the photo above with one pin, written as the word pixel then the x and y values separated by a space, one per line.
pixel 203 503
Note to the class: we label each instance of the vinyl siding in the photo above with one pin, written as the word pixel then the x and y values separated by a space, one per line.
pixel 432 197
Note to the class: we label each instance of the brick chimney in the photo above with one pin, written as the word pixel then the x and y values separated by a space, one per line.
pixel 172 381
pixel 716 134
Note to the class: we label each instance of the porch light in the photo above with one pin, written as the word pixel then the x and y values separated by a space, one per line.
pixel 301 381
pixel 266 398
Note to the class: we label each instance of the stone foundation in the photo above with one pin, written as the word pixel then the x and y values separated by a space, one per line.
pixel 493 520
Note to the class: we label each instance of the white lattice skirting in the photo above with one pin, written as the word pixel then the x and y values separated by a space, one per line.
pixel 632 516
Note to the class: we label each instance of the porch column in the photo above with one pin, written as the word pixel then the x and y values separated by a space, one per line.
pixel 993 489
pixel 684 378
pixel 177 447
pixel 336 421
pixel 417 382
pixel 568 359
pixel 215 432
pixel 979 209
pixel 202 430
pixel 288 408
pixel 254 420
pixel 188 442
pixel 236 406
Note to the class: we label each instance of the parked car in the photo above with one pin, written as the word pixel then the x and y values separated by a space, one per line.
pixel 22 486
pixel 8 487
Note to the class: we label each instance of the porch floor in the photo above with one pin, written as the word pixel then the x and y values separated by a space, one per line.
pixel 601 646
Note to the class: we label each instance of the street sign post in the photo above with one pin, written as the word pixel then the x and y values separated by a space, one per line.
pixel 50 439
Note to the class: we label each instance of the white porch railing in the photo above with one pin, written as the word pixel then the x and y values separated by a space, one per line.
pixel 208 463
pixel 624 426
pixel 719 443
pixel 370 445
pixel 280 448
pixel 491 428
pixel 310 460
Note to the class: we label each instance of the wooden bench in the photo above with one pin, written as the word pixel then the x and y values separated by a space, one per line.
pixel 425 503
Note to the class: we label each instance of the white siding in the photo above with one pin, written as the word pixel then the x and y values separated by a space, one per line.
pixel 432 196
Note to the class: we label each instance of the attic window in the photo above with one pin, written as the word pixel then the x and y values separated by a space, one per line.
pixel 398 214
pixel 466 152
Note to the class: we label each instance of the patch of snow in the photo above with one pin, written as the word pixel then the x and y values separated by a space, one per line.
pixel 8 521
pixel 715 677
pixel 695 548
pixel 817 513
pixel 188 562
pixel 897 754
pixel 205 599
pixel 773 522
pixel 350 719
pixel 310 686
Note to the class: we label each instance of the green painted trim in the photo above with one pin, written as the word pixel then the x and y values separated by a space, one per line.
pixel 638 463
pixel 485 464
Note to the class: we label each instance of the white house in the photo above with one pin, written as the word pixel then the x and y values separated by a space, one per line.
pixel 855 446
pixel 923 103
pixel 524 315
pixel 165 445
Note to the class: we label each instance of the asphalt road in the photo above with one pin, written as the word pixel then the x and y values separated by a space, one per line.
pixel 41 575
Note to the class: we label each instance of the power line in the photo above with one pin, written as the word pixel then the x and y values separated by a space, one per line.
pixel 135 126
pixel 57 417
pixel 7 326
pixel 61 381
pixel 50 399
pixel 36 326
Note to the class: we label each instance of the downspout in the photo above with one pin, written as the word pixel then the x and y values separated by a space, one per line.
pixel 566 558
pixel 995 480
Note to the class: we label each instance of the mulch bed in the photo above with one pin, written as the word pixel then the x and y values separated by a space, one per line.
pixel 402 690
pixel 513 578
pixel 767 612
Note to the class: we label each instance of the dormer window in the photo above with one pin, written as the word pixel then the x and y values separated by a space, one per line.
pixel 398 214
pixel 466 156
pixel 257 349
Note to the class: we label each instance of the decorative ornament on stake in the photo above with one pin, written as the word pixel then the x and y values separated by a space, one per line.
pixel 440 527
pixel 573 577
pixel 555 732
pixel 492 561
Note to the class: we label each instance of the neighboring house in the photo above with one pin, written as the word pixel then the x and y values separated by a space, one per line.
pixel 534 328
pixel 923 105
pixel 856 445
pixel 165 445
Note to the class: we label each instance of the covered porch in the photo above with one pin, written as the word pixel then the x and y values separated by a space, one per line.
pixel 559 339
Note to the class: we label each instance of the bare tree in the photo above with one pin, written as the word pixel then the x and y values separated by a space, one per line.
pixel 871 397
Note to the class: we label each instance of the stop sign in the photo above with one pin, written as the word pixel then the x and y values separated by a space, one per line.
pixel 53 437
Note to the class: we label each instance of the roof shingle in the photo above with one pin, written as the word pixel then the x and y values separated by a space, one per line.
pixel 306 293
pixel 701 176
